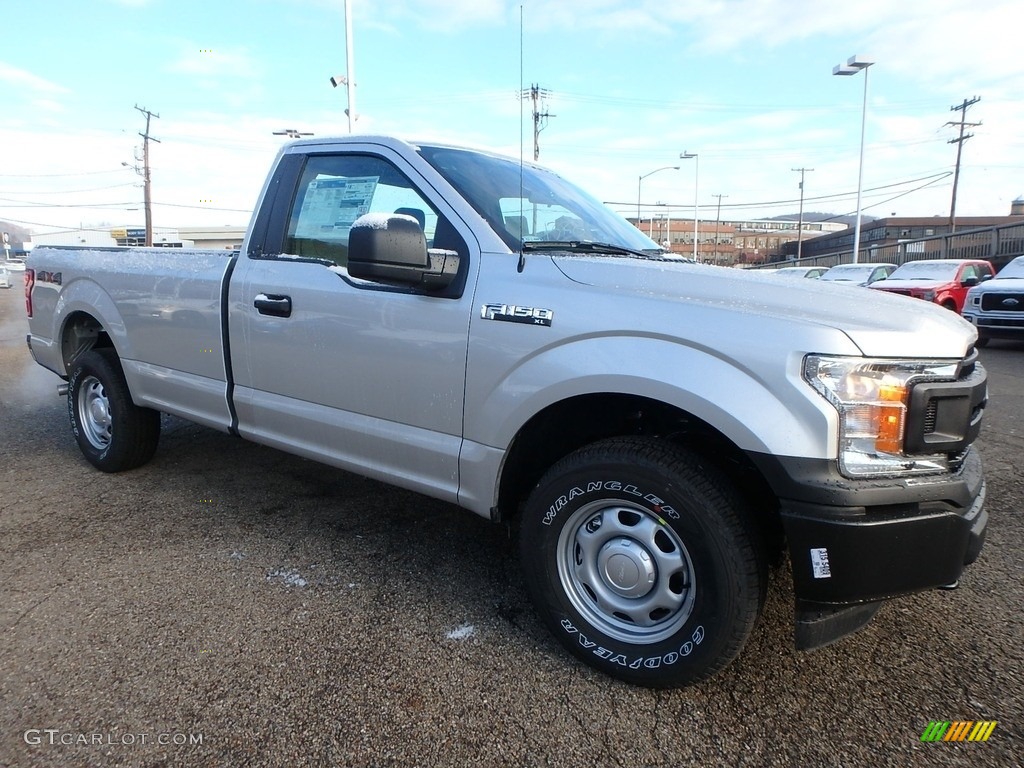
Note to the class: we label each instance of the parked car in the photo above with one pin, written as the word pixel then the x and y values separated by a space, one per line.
pixel 858 274
pixel 15 264
pixel 811 272
pixel 5 277
pixel 996 307
pixel 943 281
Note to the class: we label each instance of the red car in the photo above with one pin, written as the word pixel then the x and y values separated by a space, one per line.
pixel 944 281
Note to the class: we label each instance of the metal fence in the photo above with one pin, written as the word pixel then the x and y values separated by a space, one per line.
pixel 997 244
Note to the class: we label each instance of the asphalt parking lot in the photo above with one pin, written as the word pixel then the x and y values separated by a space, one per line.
pixel 230 605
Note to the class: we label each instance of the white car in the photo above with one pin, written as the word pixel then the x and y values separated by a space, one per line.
pixel 809 272
pixel 14 264
pixel 858 274
pixel 5 277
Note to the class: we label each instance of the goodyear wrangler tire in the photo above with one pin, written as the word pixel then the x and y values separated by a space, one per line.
pixel 112 432
pixel 643 562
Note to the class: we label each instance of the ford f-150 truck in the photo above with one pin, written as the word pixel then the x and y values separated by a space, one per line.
pixel 996 307
pixel 943 281
pixel 480 330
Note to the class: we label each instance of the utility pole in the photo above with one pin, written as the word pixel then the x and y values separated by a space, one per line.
pixel 718 217
pixel 147 197
pixel 959 141
pixel 540 119
pixel 800 222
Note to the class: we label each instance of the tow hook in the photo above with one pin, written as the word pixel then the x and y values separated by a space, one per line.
pixel 62 390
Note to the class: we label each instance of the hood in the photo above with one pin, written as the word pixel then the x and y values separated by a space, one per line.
pixel 906 285
pixel 1000 285
pixel 879 324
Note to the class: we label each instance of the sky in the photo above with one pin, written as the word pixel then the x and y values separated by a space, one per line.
pixel 746 85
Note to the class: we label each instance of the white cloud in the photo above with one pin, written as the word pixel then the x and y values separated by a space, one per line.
pixel 22 78
pixel 214 62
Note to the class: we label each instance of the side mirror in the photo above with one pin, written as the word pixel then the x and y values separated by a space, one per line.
pixel 392 249
pixel 969 282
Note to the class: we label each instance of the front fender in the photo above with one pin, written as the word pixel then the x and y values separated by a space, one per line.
pixel 762 407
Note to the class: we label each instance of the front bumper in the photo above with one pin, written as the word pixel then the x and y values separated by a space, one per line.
pixel 856 542
pixel 1001 326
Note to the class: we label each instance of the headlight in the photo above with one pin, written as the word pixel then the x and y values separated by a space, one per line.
pixel 871 397
pixel 928 295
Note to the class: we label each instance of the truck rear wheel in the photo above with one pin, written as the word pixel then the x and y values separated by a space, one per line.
pixel 643 562
pixel 112 432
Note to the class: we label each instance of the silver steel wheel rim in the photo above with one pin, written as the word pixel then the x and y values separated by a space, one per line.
pixel 94 413
pixel 626 571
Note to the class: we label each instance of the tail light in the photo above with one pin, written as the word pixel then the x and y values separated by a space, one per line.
pixel 30 281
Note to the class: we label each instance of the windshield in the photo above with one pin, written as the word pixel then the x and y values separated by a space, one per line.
pixel 851 272
pixel 525 203
pixel 926 270
pixel 794 271
pixel 1014 269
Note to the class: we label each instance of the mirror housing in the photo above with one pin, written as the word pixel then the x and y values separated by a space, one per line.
pixel 393 249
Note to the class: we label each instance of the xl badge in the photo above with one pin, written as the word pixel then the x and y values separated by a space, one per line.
pixel 511 313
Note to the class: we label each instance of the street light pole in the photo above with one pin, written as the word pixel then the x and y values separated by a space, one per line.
pixel 696 177
pixel 638 183
pixel 854 65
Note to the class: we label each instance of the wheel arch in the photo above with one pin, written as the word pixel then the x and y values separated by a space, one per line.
pixel 569 424
pixel 80 332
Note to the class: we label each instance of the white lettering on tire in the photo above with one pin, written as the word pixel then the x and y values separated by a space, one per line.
pixel 575 492
pixel 648 662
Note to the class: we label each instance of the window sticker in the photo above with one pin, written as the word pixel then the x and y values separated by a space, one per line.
pixel 331 205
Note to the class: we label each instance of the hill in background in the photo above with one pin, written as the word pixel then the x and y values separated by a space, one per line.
pixel 16 233
pixel 848 220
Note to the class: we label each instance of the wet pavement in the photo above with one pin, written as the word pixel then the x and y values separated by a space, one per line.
pixel 230 605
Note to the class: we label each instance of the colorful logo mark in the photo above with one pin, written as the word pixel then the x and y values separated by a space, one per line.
pixel 959 730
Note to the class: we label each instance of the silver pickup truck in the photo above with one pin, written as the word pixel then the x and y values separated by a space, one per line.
pixel 480 330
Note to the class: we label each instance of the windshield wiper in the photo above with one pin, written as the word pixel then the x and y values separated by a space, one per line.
pixel 586 246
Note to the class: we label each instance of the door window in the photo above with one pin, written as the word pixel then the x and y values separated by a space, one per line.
pixel 335 190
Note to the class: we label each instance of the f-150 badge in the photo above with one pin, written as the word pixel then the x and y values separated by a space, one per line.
pixel 512 313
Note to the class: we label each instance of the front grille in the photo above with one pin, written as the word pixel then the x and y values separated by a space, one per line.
pixel 945 416
pixel 1003 302
pixel 930 417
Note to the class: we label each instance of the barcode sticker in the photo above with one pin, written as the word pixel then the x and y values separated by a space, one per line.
pixel 819 563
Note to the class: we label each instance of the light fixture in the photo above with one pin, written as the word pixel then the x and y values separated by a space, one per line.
pixel 854 65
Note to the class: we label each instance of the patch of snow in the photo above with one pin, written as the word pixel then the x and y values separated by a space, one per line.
pixel 290 578
pixel 464 632
pixel 372 221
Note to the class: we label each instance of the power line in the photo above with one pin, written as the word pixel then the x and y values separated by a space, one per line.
pixel 839 196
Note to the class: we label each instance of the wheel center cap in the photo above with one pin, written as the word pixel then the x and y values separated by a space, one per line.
pixel 99 411
pixel 627 568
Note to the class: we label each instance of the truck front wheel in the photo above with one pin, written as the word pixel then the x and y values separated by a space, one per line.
pixel 643 562
pixel 112 432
